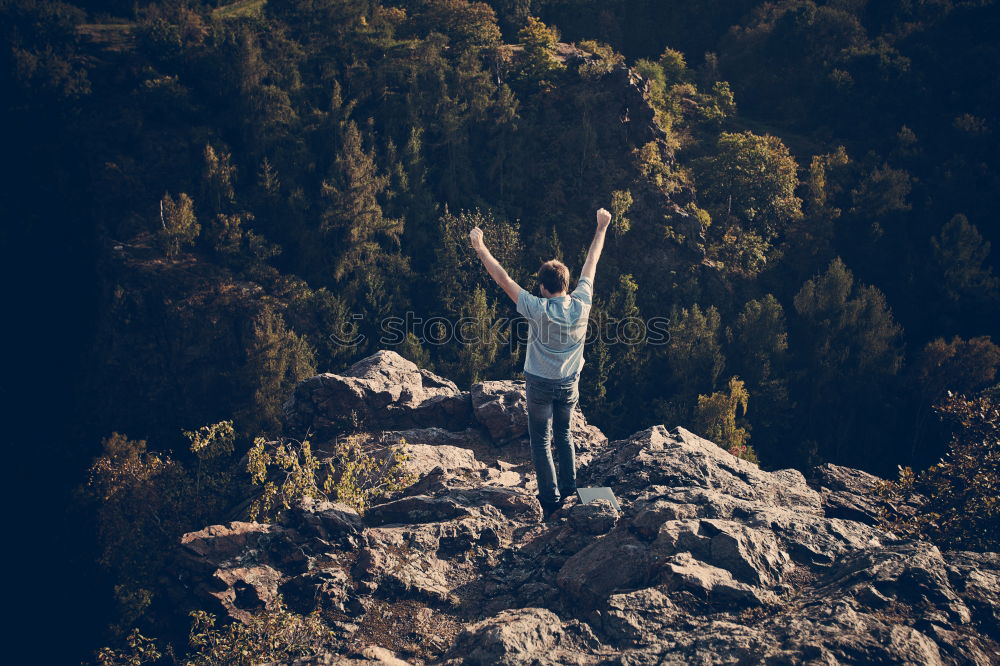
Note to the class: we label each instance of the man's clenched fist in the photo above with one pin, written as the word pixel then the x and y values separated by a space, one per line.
pixel 603 219
pixel 476 236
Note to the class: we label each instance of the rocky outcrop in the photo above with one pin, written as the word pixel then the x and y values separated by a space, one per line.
pixel 711 560
pixel 382 390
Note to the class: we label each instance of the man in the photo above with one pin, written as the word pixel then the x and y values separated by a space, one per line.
pixel 557 324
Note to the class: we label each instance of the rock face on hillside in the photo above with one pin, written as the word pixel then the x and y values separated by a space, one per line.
pixel 712 560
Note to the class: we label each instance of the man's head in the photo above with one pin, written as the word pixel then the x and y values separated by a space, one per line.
pixel 554 278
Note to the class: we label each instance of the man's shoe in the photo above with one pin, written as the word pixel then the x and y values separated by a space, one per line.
pixel 567 497
pixel 548 510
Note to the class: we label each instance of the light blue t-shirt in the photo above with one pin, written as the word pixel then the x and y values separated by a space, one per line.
pixel 557 329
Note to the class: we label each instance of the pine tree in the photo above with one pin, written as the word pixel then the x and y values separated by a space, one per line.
pixel 961 257
pixel 276 359
pixel 353 213
pixel 694 354
pixel 475 336
pixel 809 240
pixel 849 335
pixel 217 179
pixel 848 344
pixel 760 338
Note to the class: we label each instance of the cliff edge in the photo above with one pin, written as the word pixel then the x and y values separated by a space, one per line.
pixel 712 560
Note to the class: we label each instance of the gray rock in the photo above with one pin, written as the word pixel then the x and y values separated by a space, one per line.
pixel 752 556
pixel 711 560
pixel 415 509
pixel 912 572
pixel 327 520
pixel 383 390
pixel 526 636
pixel 975 577
pixel 847 493
pixel 424 458
pixel 631 618
pixel 597 517
pixel 682 571
pixel 816 540
pixel 679 458
pixel 328 589
pixel 596 571
pixel 500 407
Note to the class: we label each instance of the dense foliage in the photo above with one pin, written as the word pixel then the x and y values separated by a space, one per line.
pixel 206 202
pixel 957 499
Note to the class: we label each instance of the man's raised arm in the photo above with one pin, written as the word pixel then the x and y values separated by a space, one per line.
pixel 493 267
pixel 596 245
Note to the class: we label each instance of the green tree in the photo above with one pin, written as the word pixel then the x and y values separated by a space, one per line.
pixel 961 258
pixel 603 59
pixel 958 498
pixel 324 318
pixel 457 268
pixel 757 351
pixel 478 340
pixel 226 234
pixel 621 201
pixel 693 360
pixel 275 359
pixel 217 178
pixel 752 178
pixel 716 419
pixel 851 329
pixel 469 25
pixel 616 349
pixel 760 339
pixel 960 366
pixel 809 240
pixel 882 191
pixel 412 349
pixel 849 347
pixel 179 227
pixel 353 212
pixel 537 62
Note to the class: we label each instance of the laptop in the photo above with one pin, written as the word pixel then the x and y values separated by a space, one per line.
pixel 588 495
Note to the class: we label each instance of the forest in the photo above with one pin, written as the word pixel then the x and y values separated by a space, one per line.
pixel 202 200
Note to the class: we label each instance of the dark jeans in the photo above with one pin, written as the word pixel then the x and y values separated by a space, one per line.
pixel 550 409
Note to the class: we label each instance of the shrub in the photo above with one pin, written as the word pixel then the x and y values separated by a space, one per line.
pixel 145 500
pixel 369 471
pixel 716 418
pixel 288 470
pixel 957 499
pixel 605 61
pixel 141 499
pixel 269 636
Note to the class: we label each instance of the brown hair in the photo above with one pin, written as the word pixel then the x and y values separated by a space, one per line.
pixel 554 276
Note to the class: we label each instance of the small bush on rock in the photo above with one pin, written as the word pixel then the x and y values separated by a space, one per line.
pixel 359 471
pixel 269 636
